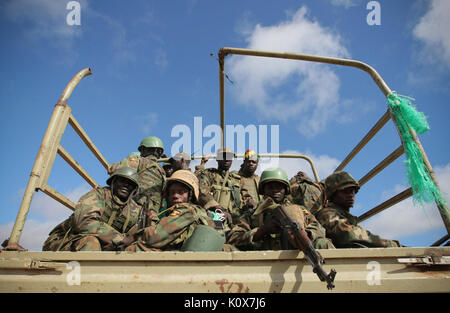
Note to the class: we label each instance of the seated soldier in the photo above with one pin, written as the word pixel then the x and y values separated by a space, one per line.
pixel 102 217
pixel 306 192
pixel 151 175
pixel 262 231
pixel 184 216
pixel 341 226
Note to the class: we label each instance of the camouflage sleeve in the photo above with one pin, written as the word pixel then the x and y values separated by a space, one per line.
pixel 346 234
pixel 241 236
pixel 317 233
pixel 205 198
pixel 87 219
pixel 171 229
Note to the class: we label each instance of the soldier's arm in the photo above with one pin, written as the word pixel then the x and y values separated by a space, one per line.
pixel 169 230
pixel 87 219
pixel 317 233
pixel 345 234
pixel 205 198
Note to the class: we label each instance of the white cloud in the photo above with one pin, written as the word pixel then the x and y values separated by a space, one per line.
pixel 432 30
pixel 259 81
pixel 405 219
pixel 47 17
pixel 45 213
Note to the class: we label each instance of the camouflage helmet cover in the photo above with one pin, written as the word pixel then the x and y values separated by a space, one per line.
pixel 152 142
pixel 251 155
pixel 273 174
pixel 338 181
pixel 185 177
pixel 126 172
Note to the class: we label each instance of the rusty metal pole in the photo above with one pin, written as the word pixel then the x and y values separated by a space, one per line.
pixel 222 56
pixel 42 156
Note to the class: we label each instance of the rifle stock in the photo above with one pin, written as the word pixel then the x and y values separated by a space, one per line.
pixel 303 243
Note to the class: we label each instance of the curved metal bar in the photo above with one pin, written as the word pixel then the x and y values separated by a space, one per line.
pixel 72 84
pixel 46 152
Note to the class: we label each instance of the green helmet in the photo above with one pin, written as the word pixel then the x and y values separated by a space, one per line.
pixel 134 154
pixel 204 238
pixel 152 142
pixel 274 174
pixel 338 181
pixel 127 172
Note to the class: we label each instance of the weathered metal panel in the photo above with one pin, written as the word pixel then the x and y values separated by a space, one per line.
pixel 358 270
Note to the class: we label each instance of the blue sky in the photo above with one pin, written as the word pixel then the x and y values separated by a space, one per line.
pixel 153 71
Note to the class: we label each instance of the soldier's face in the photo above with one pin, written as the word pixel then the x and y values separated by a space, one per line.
pixel 177 193
pixel 146 151
pixel 345 197
pixel 225 161
pixel 275 190
pixel 123 187
pixel 169 170
pixel 251 166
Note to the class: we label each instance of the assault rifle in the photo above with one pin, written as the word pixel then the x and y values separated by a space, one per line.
pixel 303 243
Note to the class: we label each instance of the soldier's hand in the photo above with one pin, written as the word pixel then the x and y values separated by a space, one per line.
pixel 270 226
pixel 204 160
pixel 249 203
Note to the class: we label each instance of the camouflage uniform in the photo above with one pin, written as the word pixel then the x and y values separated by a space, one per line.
pixel 343 229
pixel 181 219
pixel 249 186
pixel 341 226
pixel 306 192
pixel 173 230
pixel 242 234
pixel 220 188
pixel 100 222
pixel 151 180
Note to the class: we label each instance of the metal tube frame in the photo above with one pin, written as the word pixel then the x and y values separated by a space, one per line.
pixel 223 52
pixel 43 164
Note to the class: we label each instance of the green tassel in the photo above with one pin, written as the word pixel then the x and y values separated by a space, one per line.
pixel 423 187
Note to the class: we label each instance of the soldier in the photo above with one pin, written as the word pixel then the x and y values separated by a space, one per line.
pixel 219 188
pixel 249 180
pixel 180 161
pixel 341 226
pixel 306 192
pixel 262 231
pixel 168 169
pixel 102 217
pixel 151 175
pixel 179 230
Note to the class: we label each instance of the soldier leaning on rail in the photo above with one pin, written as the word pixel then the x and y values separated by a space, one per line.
pixel 220 188
pixel 187 227
pixel 262 231
pixel 151 175
pixel 306 192
pixel 102 217
pixel 341 226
